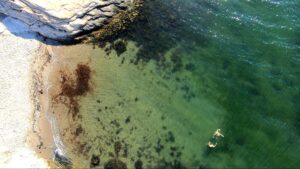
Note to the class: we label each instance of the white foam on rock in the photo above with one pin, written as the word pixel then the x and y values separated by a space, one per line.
pixel 18 47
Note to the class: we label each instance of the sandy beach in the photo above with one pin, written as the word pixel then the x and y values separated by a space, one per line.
pixel 18 48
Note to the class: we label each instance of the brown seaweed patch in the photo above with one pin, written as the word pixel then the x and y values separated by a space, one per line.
pixel 74 88
pixel 81 86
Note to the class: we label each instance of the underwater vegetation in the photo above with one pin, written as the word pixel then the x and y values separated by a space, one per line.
pixel 74 88
pixel 182 70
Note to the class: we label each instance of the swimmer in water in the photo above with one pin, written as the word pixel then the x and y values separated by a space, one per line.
pixel 215 137
pixel 218 133
pixel 211 145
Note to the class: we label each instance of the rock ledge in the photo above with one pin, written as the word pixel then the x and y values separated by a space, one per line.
pixel 64 19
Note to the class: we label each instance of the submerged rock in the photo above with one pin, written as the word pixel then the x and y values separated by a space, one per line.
pixel 115 164
pixel 63 20
pixel 61 159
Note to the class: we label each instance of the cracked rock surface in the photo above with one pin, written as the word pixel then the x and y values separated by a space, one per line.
pixel 63 19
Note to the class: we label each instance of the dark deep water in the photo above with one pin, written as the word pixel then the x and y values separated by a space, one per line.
pixel 203 65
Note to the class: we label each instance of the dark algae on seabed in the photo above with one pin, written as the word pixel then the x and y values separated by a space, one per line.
pixel 74 88
pixel 162 88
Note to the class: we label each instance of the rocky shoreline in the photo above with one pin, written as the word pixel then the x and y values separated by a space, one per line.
pixel 65 20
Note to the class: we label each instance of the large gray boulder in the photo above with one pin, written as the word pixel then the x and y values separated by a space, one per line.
pixel 63 19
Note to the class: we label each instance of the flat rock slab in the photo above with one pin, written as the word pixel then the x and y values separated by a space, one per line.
pixel 16 54
pixel 63 19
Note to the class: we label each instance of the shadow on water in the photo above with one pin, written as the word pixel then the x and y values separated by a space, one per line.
pixel 20 29
pixel 161 26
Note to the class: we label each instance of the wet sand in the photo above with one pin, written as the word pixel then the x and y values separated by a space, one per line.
pixel 47 75
pixel 41 137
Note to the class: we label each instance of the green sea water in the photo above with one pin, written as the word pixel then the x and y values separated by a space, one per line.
pixel 187 68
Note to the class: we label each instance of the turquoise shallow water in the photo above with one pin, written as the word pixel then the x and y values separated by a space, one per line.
pixel 189 67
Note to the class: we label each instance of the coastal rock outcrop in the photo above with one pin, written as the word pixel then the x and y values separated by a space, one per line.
pixel 64 19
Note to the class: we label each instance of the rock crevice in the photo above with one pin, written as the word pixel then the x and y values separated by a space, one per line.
pixel 63 20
